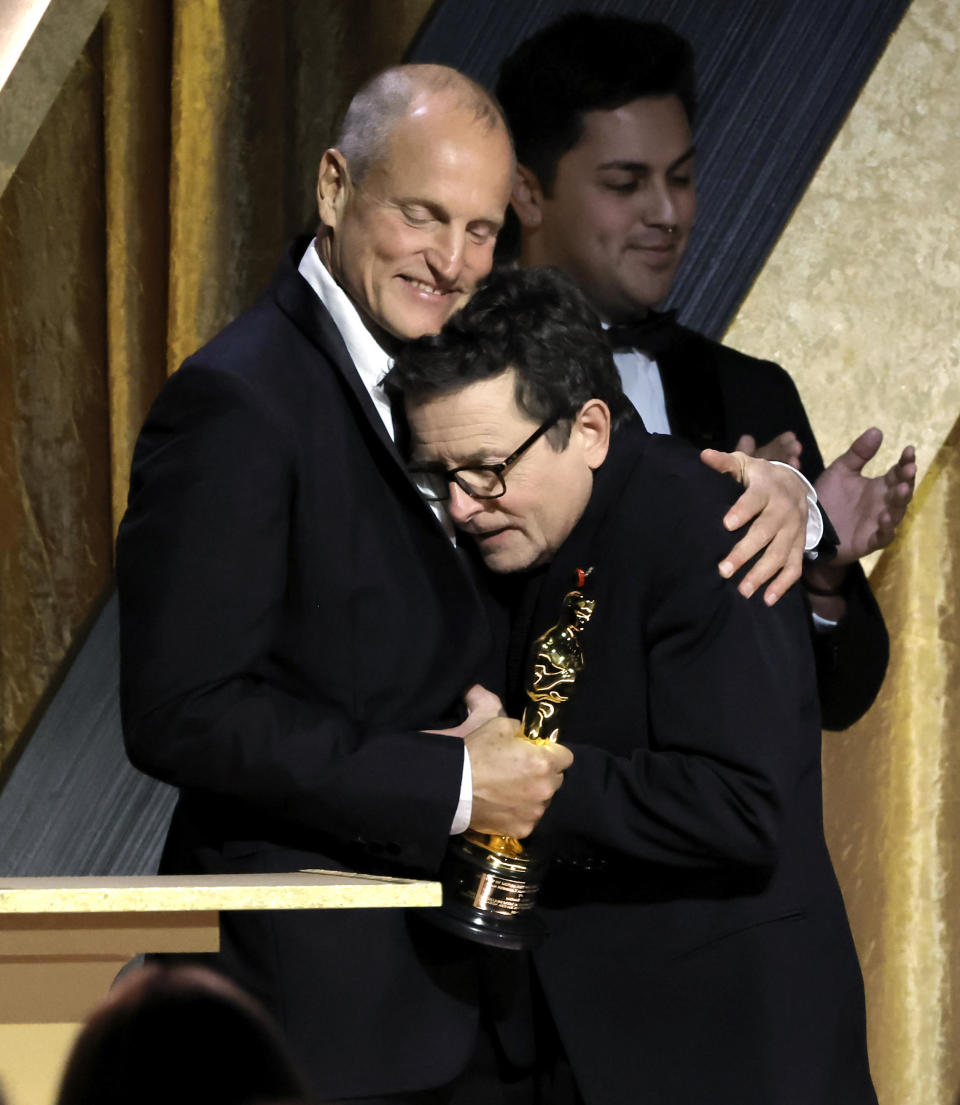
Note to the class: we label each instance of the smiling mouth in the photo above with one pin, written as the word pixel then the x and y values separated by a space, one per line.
pixel 428 289
pixel 657 257
pixel 666 246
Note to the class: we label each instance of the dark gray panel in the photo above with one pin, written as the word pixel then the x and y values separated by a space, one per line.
pixel 73 805
pixel 777 78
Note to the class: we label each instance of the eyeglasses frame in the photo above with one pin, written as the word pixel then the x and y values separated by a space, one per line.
pixel 496 469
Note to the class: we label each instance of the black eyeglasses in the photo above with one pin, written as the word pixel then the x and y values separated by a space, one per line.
pixel 480 481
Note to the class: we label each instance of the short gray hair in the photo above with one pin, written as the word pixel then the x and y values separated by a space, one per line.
pixel 386 98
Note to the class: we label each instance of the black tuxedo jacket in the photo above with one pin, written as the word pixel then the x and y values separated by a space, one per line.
pixel 292 618
pixel 714 395
pixel 698 947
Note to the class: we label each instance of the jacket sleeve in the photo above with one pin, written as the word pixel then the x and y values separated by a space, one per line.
pixel 852 658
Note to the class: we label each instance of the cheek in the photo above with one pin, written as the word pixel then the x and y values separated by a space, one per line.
pixel 610 221
pixel 477 262
pixel 376 247
pixel 552 513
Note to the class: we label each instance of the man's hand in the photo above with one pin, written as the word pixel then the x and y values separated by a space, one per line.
pixel 784 447
pixel 776 500
pixel 865 512
pixel 513 779
pixel 482 705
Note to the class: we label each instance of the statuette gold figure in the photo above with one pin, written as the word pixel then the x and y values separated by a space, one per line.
pixel 491 881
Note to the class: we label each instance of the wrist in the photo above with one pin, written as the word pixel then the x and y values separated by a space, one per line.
pixel 826 580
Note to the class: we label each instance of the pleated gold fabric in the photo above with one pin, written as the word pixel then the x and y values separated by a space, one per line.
pixel 137 156
pixel 892 800
pixel 258 88
pixel 55 531
pixel 151 207
pixel 861 301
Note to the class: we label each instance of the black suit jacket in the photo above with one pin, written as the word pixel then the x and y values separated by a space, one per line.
pixel 698 947
pixel 292 617
pixel 714 395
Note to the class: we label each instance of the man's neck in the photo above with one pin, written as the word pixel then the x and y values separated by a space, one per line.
pixel 533 255
pixel 387 342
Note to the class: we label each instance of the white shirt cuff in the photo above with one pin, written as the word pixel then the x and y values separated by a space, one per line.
pixel 461 819
pixel 814 518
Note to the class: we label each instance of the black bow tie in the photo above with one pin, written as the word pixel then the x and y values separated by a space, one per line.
pixel 654 333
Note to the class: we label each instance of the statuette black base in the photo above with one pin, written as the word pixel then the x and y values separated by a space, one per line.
pixel 488 896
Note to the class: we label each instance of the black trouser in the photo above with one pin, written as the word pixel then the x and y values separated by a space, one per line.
pixel 494 1076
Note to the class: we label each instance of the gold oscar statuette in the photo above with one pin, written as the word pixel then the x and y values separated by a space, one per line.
pixel 490 882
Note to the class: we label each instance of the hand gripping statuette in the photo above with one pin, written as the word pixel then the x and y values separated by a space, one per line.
pixel 490 882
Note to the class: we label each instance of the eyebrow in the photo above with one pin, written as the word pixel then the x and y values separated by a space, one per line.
pixel 639 166
pixel 474 460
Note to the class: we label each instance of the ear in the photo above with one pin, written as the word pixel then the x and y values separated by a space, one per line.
pixel 527 198
pixel 333 187
pixel 592 424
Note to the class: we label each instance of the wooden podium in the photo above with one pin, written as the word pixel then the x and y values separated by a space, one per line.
pixel 62 942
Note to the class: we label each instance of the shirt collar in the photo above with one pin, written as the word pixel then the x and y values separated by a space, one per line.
pixel 372 362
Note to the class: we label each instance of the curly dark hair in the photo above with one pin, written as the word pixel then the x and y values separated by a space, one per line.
pixel 535 321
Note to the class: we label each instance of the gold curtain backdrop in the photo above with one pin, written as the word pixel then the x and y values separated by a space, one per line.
pixel 55 528
pixel 154 203
pixel 892 807
pixel 860 299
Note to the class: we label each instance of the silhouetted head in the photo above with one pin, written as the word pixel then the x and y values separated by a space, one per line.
pixel 178 1036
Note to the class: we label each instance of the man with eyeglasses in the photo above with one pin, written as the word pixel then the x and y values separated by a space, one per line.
pixel 698 948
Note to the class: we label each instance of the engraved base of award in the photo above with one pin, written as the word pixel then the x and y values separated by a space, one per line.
pixel 490 883
pixel 489 889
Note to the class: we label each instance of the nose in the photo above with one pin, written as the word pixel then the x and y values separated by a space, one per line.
pixel 462 506
pixel 661 207
pixel 445 255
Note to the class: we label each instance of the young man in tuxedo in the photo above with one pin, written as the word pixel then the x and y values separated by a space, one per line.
pixel 697 947
pixel 601 109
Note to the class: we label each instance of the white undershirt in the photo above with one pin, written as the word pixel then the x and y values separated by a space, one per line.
pixel 642 385
pixel 372 363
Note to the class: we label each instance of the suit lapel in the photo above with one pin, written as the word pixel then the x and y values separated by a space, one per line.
pixel 301 305
pixel 691 388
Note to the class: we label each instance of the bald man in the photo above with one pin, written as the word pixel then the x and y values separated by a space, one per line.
pixel 299 633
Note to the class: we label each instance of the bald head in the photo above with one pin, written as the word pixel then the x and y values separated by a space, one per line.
pixel 396 93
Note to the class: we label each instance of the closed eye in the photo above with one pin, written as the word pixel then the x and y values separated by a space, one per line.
pixel 418 216
pixel 481 233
